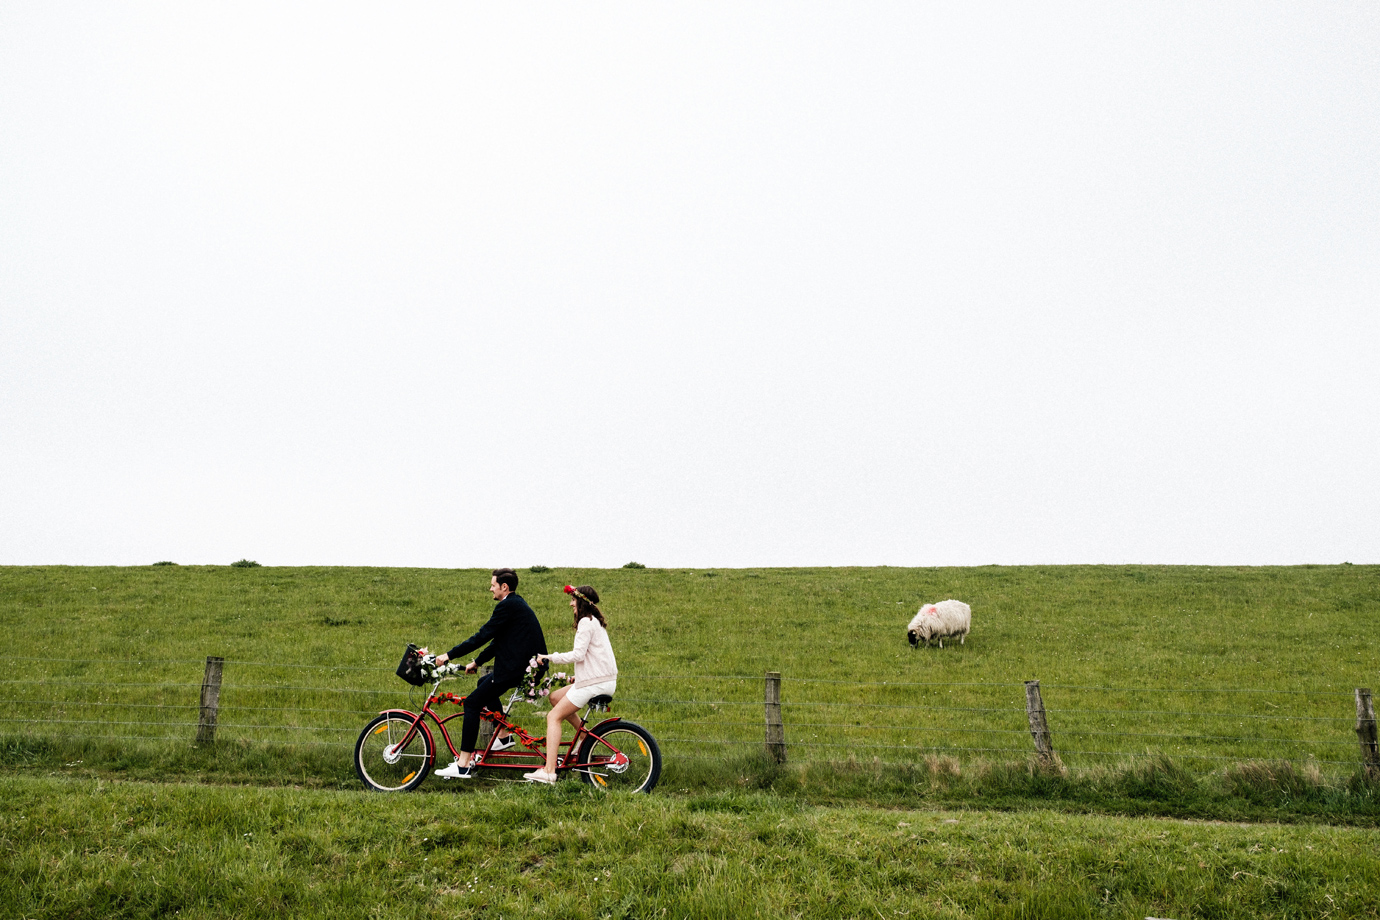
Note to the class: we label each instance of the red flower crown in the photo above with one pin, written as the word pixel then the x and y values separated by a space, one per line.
pixel 570 589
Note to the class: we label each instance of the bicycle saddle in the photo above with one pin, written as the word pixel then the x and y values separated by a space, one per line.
pixel 601 703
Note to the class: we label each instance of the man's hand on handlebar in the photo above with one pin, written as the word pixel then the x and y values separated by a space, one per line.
pixel 440 661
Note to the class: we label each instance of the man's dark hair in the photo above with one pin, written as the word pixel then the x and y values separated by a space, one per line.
pixel 506 577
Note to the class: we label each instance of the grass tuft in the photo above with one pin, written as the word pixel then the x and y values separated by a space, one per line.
pixel 1271 778
pixel 1156 779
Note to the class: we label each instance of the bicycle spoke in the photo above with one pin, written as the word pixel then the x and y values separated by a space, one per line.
pixel 620 755
pixel 381 766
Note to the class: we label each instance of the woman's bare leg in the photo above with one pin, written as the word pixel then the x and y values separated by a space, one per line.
pixel 561 710
pixel 573 718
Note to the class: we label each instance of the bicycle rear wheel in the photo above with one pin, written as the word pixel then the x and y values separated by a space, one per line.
pixel 384 766
pixel 621 756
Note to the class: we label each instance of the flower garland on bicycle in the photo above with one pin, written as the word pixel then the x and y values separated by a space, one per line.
pixel 535 687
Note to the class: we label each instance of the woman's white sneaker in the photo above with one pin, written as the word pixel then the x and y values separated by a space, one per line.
pixel 540 776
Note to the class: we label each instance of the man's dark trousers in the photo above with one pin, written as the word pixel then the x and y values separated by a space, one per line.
pixel 486 695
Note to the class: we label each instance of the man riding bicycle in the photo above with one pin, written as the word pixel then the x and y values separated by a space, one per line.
pixel 514 636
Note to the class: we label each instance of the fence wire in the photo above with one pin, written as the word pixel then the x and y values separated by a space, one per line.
pixel 818 723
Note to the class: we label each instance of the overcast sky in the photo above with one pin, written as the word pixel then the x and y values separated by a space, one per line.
pixel 690 284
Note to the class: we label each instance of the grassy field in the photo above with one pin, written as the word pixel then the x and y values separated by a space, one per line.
pixel 1208 665
pixel 93 849
pixel 1193 692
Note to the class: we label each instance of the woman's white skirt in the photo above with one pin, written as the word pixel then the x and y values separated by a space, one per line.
pixel 582 695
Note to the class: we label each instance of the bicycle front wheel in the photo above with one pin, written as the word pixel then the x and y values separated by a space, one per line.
pixel 620 755
pixel 383 763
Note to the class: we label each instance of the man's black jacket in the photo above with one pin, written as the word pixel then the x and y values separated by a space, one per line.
pixel 514 636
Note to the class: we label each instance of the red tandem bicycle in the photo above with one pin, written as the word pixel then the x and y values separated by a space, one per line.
pixel 396 751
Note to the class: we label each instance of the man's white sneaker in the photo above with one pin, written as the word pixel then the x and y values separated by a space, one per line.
pixel 455 771
pixel 540 776
pixel 502 744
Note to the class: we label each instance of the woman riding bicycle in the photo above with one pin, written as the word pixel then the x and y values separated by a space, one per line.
pixel 596 674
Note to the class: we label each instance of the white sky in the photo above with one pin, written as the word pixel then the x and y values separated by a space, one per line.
pixel 690 284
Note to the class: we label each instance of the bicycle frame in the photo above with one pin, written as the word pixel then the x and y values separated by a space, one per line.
pixel 531 750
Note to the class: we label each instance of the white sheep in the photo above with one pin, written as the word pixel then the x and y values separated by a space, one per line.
pixel 935 621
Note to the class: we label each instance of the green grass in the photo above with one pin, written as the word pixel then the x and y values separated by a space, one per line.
pixel 1298 639
pixel 93 849
pixel 909 790
pixel 1131 660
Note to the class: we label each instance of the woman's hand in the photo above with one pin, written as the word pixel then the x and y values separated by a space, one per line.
pixel 543 659
pixel 441 659
pixel 471 667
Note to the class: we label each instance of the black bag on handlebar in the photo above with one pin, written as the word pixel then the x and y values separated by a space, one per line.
pixel 410 668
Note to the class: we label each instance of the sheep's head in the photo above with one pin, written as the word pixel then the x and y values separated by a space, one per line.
pixel 914 636
pixel 925 629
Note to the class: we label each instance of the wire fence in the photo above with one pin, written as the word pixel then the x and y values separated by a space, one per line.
pixel 705 716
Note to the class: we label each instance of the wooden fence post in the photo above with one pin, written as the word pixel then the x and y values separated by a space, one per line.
pixel 1039 727
pixel 210 700
pixel 1365 733
pixel 486 728
pixel 776 731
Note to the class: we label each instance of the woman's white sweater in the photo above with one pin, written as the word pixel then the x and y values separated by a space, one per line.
pixel 592 655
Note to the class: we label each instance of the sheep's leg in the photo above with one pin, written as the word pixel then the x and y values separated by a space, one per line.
pixel 941 641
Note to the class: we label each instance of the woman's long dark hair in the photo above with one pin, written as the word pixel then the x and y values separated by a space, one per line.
pixel 585 608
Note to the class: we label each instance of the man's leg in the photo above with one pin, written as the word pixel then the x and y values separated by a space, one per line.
pixel 485 696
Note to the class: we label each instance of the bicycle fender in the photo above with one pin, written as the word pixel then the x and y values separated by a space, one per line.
pixel 609 721
pixel 421 726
